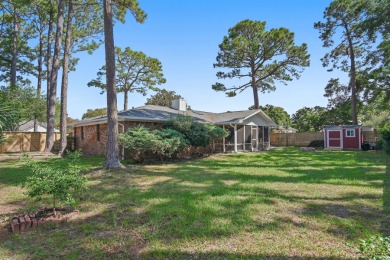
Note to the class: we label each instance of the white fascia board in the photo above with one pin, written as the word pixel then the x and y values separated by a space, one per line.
pixel 259 111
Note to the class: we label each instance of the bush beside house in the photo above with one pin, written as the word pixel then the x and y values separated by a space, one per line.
pixel 178 133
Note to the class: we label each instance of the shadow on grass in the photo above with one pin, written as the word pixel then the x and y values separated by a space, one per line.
pixel 146 210
pixel 385 224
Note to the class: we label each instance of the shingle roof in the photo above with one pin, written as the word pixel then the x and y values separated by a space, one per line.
pixel 152 113
pixel 28 125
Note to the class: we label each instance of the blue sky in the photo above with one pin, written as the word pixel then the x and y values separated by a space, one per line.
pixel 184 36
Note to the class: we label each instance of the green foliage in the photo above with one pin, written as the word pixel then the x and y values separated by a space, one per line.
pixel 14 43
pixel 385 135
pixel 179 133
pixel 163 98
pixel 277 114
pixel 264 57
pixel 376 247
pixel 195 133
pixel 95 112
pixel 351 49
pixel 309 119
pixel 24 103
pixel 170 142
pixel 60 181
pixel 135 72
pixel 8 121
pixel 140 141
pixel 376 113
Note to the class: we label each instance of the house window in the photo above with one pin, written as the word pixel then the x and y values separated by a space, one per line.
pixel 98 132
pixel 350 133
pixel 82 133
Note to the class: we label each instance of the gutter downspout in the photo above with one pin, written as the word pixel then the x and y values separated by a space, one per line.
pixel 123 147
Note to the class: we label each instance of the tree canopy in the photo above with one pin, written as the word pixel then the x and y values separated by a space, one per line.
pixel 351 46
pixel 263 57
pixel 277 114
pixel 163 98
pixel 95 112
pixel 135 72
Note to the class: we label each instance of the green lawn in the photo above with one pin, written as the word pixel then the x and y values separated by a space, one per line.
pixel 277 204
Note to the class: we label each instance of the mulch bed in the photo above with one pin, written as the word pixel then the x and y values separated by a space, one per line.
pixel 23 223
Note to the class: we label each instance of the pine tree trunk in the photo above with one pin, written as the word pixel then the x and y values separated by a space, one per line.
pixel 49 61
pixel 39 79
pixel 64 83
pixel 126 100
pixel 14 53
pixel 112 153
pixel 254 88
pixel 352 75
pixel 53 78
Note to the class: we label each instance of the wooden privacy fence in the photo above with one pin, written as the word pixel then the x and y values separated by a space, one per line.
pixel 27 142
pixel 304 139
pixel 295 139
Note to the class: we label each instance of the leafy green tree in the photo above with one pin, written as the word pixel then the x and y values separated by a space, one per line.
pixel 15 53
pixel 112 154
pixel 277 114
pixel 60 181
pixel 8 120
pixel 135 72
pixel 163 98
pixel 377 22
pixel 264 57
pixel 377 113
pixel 351 51
pixel 24 103
pixel 309 119
pixel 95 112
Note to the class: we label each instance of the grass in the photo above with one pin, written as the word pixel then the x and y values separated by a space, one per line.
pixel 279 204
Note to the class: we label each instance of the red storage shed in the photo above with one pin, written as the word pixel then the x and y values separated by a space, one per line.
pixel 343 137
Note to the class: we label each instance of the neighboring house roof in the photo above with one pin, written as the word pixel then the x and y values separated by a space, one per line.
pixel 28 126
pixel 152 113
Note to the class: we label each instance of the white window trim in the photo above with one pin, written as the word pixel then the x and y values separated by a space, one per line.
pixel 350 131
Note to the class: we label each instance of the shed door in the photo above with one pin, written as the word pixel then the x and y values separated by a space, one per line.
pixel 334 139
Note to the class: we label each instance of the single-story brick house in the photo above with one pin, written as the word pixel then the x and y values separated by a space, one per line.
pixel 249 129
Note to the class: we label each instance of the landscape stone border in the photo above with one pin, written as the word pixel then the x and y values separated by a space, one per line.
pixel 24 223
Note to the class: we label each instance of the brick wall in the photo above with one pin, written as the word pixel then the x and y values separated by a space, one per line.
pixel 91 143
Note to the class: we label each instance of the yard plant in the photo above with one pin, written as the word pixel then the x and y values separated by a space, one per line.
pixel 56 183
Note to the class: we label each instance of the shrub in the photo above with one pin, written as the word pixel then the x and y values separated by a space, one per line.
pixel 171 142
pixel 376 247
pixel 60 181
pixel 138 141
pixel 164 143
pixel 196 134
pixel 385 135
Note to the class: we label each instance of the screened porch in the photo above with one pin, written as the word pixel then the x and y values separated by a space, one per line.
pixel 246 138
